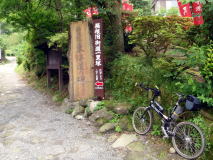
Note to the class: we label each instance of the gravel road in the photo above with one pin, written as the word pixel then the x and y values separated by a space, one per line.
pixel 31 129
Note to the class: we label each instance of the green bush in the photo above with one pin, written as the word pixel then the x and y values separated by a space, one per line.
pixel 127 70
pixel 207 130
pixel 155 35
pixel 200 82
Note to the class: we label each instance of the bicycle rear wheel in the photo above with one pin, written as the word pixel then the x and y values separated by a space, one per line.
pixel 188 140
pixel 142 120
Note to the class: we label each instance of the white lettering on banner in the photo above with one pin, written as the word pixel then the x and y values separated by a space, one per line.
pixel 99 87
pixel 98 49
pixel 98 57
pixel 184 10
pixel 98 63
pixel 97 25
pixel 97 31
pixel 98 43
pixel 101 72
pixel 97 36
pixel 198 9
pixel 97 52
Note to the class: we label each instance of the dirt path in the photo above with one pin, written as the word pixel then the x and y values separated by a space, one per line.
pixel 30 129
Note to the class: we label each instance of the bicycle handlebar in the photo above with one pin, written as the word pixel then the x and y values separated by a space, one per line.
pixel 154 90
pixel 157 92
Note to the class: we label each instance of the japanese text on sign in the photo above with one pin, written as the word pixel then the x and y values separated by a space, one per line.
pixel 98 58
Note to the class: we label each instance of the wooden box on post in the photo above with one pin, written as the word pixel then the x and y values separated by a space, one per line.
pixel 54 61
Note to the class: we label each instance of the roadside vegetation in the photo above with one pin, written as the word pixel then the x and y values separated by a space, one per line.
pixel 164 50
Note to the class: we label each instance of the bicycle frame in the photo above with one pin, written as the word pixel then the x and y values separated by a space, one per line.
pixel 153 105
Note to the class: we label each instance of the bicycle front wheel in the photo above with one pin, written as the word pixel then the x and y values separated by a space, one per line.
pixel 188 140
pixel 142 120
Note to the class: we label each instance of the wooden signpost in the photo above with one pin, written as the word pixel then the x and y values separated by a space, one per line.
pixel 81 63
pixel 98 58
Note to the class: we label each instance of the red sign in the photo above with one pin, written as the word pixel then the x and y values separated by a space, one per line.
pixel 91 11
pixel 99 83
pixel 128 28
pixel 98 58
pixel 184 9
pixel 127 7
pixel 197 13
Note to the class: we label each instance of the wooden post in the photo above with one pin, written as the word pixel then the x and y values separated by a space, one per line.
pixel 81 62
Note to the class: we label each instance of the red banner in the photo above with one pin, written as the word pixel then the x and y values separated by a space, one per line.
pixel 184 9
pixel 128 28
pixel 197 13
pixel 127 7
pixel 91 11
pixel 98 58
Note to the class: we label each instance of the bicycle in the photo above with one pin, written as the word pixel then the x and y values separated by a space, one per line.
pixel 187 138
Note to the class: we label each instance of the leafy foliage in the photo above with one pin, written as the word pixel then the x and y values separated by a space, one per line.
pixel 171 12
pixel 142 6
pixel 155 35
pixel 200 121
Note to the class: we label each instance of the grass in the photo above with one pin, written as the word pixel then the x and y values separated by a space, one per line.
pixel 4 62
pixel 40 84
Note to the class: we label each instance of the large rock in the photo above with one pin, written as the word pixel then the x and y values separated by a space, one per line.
pixel 100 122
pixel 103 113
pixel 124 140
pixel 112 138
pixel 83 103
pixel 77 110
pixel 122 108
pixel 79 117
pixel 107 127
pixel 87 112
pixel 136 146
pixel 67 104
pixel 92 105
pixel 125 124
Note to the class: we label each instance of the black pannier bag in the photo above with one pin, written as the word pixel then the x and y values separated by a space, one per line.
pixel 178 111
pixel 192 103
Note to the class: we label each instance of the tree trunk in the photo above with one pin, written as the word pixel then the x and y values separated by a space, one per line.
pixel 119 42
pixel 2 55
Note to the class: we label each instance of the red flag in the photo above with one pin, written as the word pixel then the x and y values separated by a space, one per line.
pixel 91 11
pixel 184 9
pixel 127 7
pixel 197 13
pixel 128 28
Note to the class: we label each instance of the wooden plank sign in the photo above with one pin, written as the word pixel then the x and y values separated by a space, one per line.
pixel 81 62
pixel 98 58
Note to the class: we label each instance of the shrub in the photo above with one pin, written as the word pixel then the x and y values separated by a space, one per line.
pixel 155 35
pixel 200 83
pixel 127 70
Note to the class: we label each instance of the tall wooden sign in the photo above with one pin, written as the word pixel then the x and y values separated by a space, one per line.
pixel 81 61
pixel 98 58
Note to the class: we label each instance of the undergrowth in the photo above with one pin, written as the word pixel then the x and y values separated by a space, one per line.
pixel 40 84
